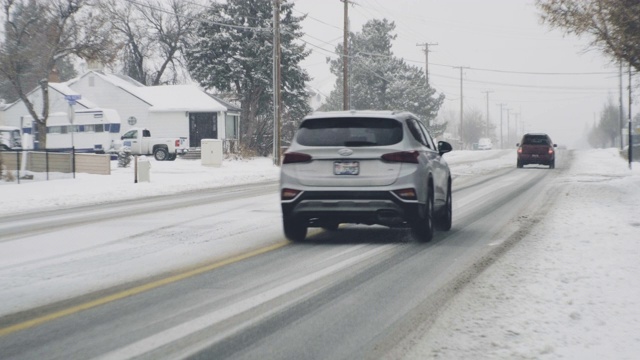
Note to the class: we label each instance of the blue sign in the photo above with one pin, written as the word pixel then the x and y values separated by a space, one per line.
pixel 71 99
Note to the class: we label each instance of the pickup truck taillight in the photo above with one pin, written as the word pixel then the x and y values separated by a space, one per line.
pixel 178 143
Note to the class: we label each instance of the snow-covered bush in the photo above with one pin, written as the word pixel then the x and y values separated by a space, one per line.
pixel 124 157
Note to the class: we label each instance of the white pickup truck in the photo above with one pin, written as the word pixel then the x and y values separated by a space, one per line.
pixel 140 142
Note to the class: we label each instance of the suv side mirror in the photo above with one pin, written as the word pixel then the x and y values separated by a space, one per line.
pixel 444 147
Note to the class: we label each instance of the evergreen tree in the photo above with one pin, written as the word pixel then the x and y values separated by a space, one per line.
pixel 380 81
pixel 232 53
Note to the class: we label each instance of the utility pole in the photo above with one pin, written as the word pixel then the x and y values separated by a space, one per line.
pixel 621 108
pixel 486 132
pixel 276 82
pixel 461 106
pixel 508 127
pixel 515 124
pixel 630 155
pixel 501 127
pixel 345 58
pixel 426 62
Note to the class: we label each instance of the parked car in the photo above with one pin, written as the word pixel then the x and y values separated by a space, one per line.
pixel 365 167
pixel 536 148
pixel 485 144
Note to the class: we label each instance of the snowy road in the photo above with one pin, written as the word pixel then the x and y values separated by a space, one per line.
pixel 124 290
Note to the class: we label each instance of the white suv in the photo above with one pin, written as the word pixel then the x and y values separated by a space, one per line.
pixel 366 167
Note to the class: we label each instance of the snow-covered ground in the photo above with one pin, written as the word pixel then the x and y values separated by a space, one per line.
pixel 166 177
pixel 570 289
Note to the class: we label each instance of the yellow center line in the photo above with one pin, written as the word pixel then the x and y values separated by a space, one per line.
pixel 136 290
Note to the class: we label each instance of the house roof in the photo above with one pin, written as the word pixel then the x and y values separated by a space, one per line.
pixel 180 98
pixel 230 106
pixel 64 89
pixel 166 98
pixel 61 88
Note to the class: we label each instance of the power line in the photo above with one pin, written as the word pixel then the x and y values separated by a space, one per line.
pixel 269 29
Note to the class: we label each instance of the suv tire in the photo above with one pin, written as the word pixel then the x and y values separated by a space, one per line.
pixel 422 227
pixel 294 230
pixel 446 213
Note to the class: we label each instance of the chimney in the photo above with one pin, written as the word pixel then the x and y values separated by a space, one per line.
pixel 95 65
pixel 54 77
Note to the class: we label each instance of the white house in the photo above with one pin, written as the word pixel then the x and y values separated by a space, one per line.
pixel 166 110
pixel 15 113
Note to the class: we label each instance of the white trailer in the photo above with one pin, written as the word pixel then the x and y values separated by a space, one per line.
pixel 91 130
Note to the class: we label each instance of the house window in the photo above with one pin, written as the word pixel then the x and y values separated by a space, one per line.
pixel 231 126
pixel 54 130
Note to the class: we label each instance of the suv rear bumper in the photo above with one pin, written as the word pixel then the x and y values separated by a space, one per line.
pixel 363 207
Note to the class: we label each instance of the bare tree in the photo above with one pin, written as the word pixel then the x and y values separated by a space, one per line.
pixel 38 33
pixel 473 125
pixel 613 24
pixel 155 34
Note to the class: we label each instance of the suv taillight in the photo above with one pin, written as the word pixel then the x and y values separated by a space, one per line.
pixel 402 156
pixel 294 157
pixel 407 194
pixel 520 150
pixel 288 194
pixel 550 151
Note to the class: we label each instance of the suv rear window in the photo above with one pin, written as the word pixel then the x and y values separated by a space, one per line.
pixel 535 140
pixel 349 131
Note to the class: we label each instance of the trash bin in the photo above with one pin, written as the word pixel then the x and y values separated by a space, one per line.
pixel 211 152
pixel 143 168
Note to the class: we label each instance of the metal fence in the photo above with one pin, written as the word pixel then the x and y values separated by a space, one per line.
pixel 47 164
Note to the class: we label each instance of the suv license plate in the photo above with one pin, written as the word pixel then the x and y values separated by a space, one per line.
pixel 346 167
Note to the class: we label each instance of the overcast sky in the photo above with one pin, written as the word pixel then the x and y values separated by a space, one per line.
pixel 501 35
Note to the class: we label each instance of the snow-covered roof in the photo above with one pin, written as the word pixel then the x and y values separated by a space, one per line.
pixel 179 98
pixel 164 98
pixel 63 89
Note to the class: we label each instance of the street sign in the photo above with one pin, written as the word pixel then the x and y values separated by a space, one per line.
pixel 71 99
